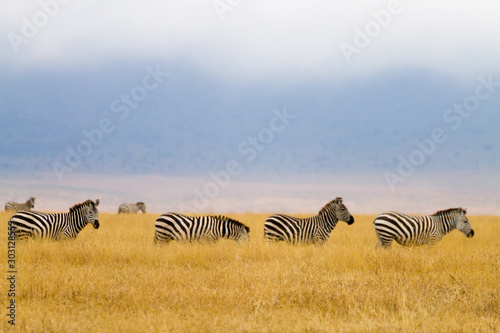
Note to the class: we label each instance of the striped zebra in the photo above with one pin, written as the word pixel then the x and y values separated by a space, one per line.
pixel 419 230
pixel 173 226
pixel 14 206
pixel 56 226
pixel 132 208
pixel 310 230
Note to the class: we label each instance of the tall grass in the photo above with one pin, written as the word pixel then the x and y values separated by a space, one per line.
pixel 115 279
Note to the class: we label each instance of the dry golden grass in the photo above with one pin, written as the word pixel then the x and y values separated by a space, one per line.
pixel 115 279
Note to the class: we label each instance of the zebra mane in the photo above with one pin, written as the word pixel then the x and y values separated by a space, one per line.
pixel 328 205
pixel 450 210
pixel 231 221
pixel 80 205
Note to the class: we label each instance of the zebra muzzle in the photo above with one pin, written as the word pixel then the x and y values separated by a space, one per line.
pixel 470 234
pixel 96 224
pixel 351 220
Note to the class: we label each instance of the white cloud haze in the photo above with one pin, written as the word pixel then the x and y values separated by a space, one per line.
pixel 258 38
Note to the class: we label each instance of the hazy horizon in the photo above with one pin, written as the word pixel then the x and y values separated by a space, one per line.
pixel 233 195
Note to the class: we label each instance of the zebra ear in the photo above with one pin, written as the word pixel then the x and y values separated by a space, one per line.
pixel 97 202
pixel 465 210
pixel 338 200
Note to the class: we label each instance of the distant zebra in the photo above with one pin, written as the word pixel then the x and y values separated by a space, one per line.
pixel 56 226
pixel 419 230
pixel 132 208
pixel 172 226
pixel 14 206
pixel 311 230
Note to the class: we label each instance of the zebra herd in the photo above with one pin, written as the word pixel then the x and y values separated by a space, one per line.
pixel 404 229
pixel 122 209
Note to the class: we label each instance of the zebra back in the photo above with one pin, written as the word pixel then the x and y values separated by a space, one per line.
pixel 311 230
pixel 14 206
pixel 173 226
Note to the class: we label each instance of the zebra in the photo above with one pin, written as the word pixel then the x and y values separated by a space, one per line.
pixel 419 230
pixel 311 230
pixel 173 226
pixel 14 206
pixel 132 208
pixel 56 226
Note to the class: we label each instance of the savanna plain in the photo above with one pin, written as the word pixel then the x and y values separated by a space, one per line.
pixel 115 279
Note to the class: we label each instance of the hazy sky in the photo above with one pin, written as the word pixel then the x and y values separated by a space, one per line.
pixel 256 39
pixel 368 81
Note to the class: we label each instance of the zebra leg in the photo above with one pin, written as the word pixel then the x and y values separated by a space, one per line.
pixel 383 243
pixel 162 239
pixel 272 234
pixel 156 240
pixel 22 235
pixel 211 240
pixel 386 245
pixel 272 237
pixel 317 240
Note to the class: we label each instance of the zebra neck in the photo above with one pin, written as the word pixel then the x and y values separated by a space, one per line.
pixel 77 220
pixel 329 219
pixel 225 230
pixel 445 223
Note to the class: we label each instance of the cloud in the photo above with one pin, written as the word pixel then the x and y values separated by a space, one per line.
pixel 257 38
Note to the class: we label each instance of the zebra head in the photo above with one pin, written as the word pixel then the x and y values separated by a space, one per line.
pixel 92 213
pixel 30 203
pixel 337 209
pixel 463 224
pixel 243 234
pixel 141 206
pixel 234 229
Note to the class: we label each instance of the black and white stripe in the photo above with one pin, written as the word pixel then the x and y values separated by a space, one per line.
pixel 419 230
pixel 132 208
pixel 58 226
pixel 16 207
pixel 173 226
pixel 311 230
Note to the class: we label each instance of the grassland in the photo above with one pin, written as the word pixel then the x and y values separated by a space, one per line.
pixel 115 279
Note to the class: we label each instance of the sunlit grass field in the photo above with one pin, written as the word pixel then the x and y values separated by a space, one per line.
pixel 115 279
